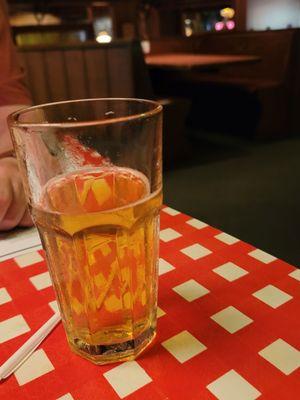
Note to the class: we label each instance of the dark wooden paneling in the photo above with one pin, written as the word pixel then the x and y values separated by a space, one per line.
pixel 240 7
pixel 120 73
pixel 96 66
pixel 56 75
pixel 142 82
pixel 76 74
pixel 37 77
pixel 194 4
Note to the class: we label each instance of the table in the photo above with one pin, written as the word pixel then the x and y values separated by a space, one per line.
pixel 228 326
pixel 187 61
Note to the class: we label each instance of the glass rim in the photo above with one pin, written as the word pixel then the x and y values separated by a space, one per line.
pixel 13 122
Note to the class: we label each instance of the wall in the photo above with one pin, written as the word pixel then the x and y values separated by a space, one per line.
pixel 126 18
pixel 275 14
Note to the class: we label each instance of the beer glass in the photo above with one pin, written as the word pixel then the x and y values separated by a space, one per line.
pixel 92 174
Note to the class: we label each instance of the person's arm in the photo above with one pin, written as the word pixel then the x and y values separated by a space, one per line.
pixel 13 93
pixel 13 96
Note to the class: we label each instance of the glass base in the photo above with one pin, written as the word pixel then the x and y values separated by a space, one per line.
pixel 105 354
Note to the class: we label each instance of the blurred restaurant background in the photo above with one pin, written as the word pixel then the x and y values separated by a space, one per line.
pixel 228 75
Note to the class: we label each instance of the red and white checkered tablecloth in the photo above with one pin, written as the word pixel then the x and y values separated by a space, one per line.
pixel 228 326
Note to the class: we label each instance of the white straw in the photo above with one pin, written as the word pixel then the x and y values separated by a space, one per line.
pixel 17 359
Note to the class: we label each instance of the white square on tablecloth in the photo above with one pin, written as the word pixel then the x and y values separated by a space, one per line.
pixel 166 235
pixel 28 259
pixel 227 239
pixel 230 271
pixel 66 396
pixel 183 346
pixel 54 306
pixel 36 365
pixel 195 251
pixel 282 355
pixel 196 223
pixel 164 267
pixel 272 296
pixel 262 256
pixel 232 386
pixel 13 327
pixel 126 378
pixel 41 281
pixel 191 290
pixel 160 312
pixel 4 296
pixel 295 274
pixel 231 319
pixel 170 211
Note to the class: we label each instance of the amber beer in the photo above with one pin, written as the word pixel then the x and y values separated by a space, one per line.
pixel 100 230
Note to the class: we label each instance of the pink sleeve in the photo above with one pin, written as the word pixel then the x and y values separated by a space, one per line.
pixel 12 87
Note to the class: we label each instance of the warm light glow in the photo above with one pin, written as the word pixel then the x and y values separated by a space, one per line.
pixel 227 13
pixel 230 25
pixel 188 31
pixel 219 26
pixel 146 46
pixel 103 37
pixel 27 18
pixel 188 21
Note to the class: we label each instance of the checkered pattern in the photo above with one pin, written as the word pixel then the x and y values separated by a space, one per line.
pixel 228 326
